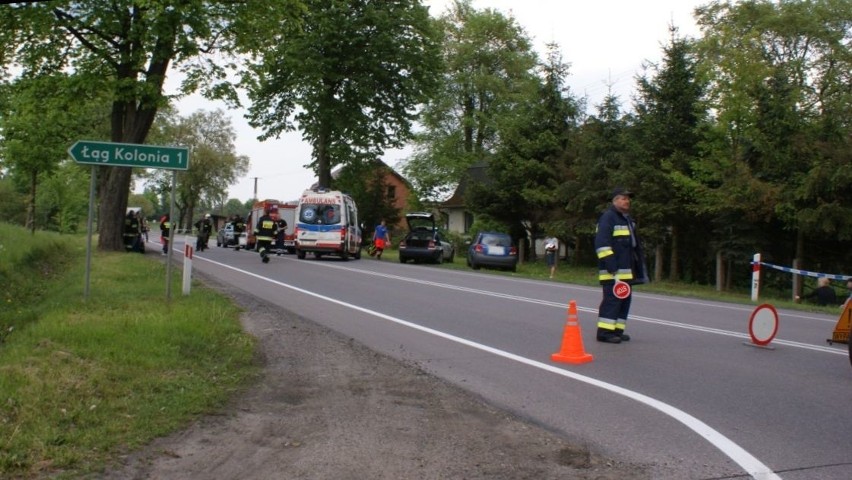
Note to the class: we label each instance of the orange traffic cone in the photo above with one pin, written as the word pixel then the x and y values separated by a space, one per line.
pixel 572 343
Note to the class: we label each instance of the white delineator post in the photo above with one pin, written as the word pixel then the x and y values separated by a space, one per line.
pixel 755 277
pixel 187 265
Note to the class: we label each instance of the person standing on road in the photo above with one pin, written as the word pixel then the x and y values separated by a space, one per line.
pixel 265 232
pixel 620 259
pixel 381 239
pixel 203 227
pixel 282 232
pixel 143 222
pixel 551 248
pixel 165 228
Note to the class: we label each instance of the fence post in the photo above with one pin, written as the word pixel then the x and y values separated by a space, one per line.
pixel 755 276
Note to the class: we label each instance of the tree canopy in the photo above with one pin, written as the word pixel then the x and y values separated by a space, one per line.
pixel 126 48
pixel 350 79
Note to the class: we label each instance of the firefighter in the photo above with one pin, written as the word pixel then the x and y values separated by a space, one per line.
pixel 282 231
pixel 239 225
pixel 165 227
pixel 620 258
pixel 204 227
pixel 132 232
pixel 265 232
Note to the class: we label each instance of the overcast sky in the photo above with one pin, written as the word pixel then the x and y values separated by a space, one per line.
pixel 604 41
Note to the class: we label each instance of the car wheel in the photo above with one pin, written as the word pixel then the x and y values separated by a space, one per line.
pixel 475 266
pixel 300 254
pixel 344 255
pixel 401 259
pixel 218 243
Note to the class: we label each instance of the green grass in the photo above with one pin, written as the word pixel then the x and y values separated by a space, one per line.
pixel 82 380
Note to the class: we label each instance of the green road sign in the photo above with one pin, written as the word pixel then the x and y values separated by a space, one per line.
pixel 130 155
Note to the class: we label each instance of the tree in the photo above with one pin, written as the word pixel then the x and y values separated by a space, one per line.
pixel 365 182
pixel 523 185
pixel 125 47
pixel 779 77
pixel 233 207
pixel 603 143
pixel 40 118
pixel 214 162
pixel 488 71
pixel 350 79
pixel 670 119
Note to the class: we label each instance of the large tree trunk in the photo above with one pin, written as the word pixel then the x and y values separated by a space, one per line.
pixel 674 267
pixel 114 188
pixel 658 263
pixel 323 163
pixel 31 208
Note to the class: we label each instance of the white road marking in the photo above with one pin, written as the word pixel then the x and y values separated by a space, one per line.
pixel 638 318
pixel 750 464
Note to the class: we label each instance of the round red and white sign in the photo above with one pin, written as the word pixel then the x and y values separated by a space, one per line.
pixel 621 290
pixel 763 324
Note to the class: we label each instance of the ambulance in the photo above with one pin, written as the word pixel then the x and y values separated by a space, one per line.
pixel 327 224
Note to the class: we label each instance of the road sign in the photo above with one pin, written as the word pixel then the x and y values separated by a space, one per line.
pixel 130 155
pixel 763 325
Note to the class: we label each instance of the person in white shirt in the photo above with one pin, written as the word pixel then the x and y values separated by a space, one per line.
pixel 551 248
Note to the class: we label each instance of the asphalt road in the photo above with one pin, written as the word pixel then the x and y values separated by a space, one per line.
pixel 686 393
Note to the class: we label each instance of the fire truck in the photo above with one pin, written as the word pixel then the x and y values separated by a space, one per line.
pixel 285 210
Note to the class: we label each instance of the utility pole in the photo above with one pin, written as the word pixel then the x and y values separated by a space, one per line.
pixel 255 187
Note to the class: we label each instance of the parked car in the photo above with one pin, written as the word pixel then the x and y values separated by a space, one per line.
pixel 424 241
pixel 225 236
pixel 492 249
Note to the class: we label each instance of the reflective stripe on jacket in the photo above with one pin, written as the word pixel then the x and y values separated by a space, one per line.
pixel 618 248
pixel 266 229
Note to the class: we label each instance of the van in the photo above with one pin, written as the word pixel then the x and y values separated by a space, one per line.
pixel 327 223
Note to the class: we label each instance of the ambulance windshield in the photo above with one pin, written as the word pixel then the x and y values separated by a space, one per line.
pixel 313 214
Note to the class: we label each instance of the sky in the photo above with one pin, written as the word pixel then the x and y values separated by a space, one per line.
pixel 604 41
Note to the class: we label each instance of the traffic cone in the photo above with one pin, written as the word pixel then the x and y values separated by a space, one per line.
pixel 572 350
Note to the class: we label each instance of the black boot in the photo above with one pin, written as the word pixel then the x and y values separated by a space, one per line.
pixel 623 336
pixel 607 336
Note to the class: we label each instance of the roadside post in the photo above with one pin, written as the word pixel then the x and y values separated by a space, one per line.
pixel 187 265
pixel 112 154
pixel 755 276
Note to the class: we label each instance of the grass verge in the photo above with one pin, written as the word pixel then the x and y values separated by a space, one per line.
pixel 82 380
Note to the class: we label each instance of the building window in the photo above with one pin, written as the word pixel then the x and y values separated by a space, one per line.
pixel 468 221
pixel 391 192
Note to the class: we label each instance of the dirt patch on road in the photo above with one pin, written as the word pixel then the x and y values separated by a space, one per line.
pixel 327 407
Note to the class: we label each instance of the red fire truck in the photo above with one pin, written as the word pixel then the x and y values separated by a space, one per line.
pixel 285 210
